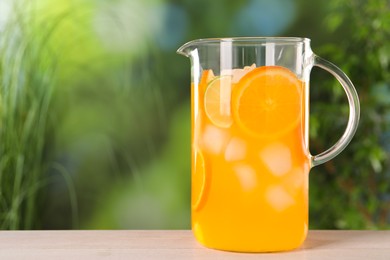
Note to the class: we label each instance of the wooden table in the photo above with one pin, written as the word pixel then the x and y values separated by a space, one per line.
pixel 180 244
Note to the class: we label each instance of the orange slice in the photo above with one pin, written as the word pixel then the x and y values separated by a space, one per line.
pixel 217 98
pixel 267 102
pixel 200 182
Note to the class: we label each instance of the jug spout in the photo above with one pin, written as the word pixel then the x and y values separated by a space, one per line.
pixel 187 48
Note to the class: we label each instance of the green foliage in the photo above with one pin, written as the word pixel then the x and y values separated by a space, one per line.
pixel 352 191
pixel 158 195
pixel 27 78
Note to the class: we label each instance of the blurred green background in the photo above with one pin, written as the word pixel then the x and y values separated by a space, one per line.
pixel 95 112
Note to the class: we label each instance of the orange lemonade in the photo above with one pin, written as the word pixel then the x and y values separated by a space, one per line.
pixel 250 161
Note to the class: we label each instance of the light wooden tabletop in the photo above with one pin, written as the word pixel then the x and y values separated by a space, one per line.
pixel 180 244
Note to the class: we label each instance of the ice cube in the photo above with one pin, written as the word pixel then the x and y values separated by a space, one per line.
pixel 246 174
pixel 235 150
pixel 214 139
pixel 277 157
pixel 278 198
pixel 237 74
pixel 297 178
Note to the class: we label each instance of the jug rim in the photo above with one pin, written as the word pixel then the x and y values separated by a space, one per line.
pixel 242 40
pixel 275 39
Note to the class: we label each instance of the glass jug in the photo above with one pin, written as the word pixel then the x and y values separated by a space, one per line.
pixel 250 150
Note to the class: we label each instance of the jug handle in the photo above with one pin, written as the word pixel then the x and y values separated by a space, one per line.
pixel 354 112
